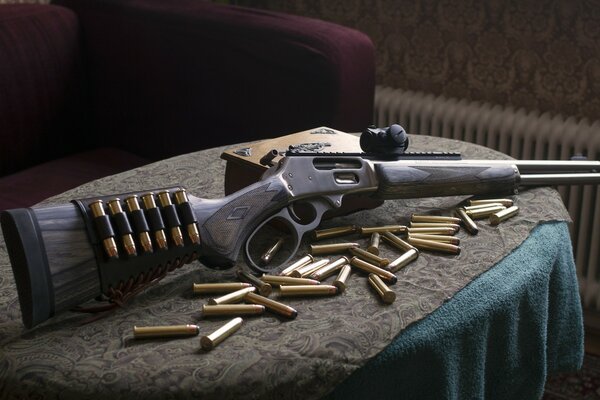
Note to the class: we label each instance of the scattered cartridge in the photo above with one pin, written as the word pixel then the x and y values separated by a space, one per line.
pixel 144 332
pixel 329 269
pixel 307 259
pixel 504 202
pixel 104 229
pixel 272 305
pixel 228 287
pixel 422 244
pixel 434 218
pixel 263 287
pixel 372 258
pixel 503 215
pixel 287 280
pixel 396 242
pixel 480 206
pixel 271 251
pixel 468 223
pixel 432 231
pixel 308 290
pixel 456 227
pixel 387 295
pixel 232 309
pixel 335 248
pixel 437 238
pixel 209 342
pixel 123 226
pixel 484 212
pixel 402 261
pixel 374 243
pixel 373 269
pixel 307 270
pixel 334 232
pixel 233 297
pixel 340 281
pixel 381 229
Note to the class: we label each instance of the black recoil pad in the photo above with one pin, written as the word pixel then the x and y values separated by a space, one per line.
pixel 155 220
pixel 122 223
pixel 186 213
pixel 170 214
pixel 104 228
pixel 139 221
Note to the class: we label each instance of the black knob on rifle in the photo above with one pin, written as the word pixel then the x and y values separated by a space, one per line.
pixel 390 140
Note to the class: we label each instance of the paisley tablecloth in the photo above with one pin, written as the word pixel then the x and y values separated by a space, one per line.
pixel 268 357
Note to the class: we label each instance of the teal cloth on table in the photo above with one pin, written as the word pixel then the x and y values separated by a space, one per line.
pixel 498 338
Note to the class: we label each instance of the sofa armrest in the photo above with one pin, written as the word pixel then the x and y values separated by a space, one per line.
pixel 169 77
pixel 41 86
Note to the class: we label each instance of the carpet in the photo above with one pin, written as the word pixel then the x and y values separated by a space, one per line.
pixel 581 385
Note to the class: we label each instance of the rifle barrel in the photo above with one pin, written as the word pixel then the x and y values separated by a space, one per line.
pixel 560 179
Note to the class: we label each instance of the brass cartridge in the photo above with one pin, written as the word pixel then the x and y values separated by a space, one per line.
pixel 372 258
pixel 422 244
pixel 374 243
pixel 484 212
pixel 504 202
pixel 233 297
pixel 143 332
pixel 307 290
pixel 432 231
pixel 434 218
pixel 329 269
pixel 334 232
pixel 159 234
pixel 209 342
pixel 436 238
pixel 479 206
pixel 271 251
pixel 307 259
pixel 387 295
pixel 403 260
pixel 133 207
pixel 232 309
pixel 287 280
pixel 114 206
pixel 340 281
pixel 469 224
pixel 396 242
pixel 201 288
pixel 373 269
pixel 456 227
pixel 381 229
pixel 307 270
pixel 181 199
pixel 109 244
pixel 263 287
pixel 503 215
pixel 335 248
pixel 165 201
pixel 272 305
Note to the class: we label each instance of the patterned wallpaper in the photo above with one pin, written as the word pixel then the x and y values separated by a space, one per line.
pixel 536 54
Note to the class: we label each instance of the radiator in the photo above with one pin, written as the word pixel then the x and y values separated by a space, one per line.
pixel 520 134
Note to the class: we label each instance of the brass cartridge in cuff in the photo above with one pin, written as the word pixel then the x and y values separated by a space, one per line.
pixel 334 232
pixel 432 231
pixel 335 248
pixel 233 297
pixel 396 242
pixel 403 260
pixel 307 259
pixel 340 281
pixel 150 206
pixel 437 238
pixel 374 243
pixel 133 207
pixel 434 218
pixel 372 258
pixel 116 211
pixel 165 201
pixel 308 290
pixel 210 341
pixel 469 224
pixel 504 202
pixel 422 244
pixel 142 332
pixel 381 229
pixel 307 270
pixel 263 287
pixel 228 287
pixel 182 200
pixel 108 242
pixel 387 295
pixel 272 305
pixel 503 215
pixel 232 309
pixel 329 269
pixel 271 251
pixel 370 268
pixel 484 212
pixel 287 280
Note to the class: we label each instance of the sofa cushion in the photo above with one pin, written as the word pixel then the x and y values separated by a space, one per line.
pixel 30 186
pixel 41 87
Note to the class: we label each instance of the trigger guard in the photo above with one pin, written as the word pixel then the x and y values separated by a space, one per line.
pixel 297 231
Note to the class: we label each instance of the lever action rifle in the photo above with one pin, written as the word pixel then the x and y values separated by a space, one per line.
pixel 117 245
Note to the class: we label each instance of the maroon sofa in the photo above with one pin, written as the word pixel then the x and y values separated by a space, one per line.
pixel 90 88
